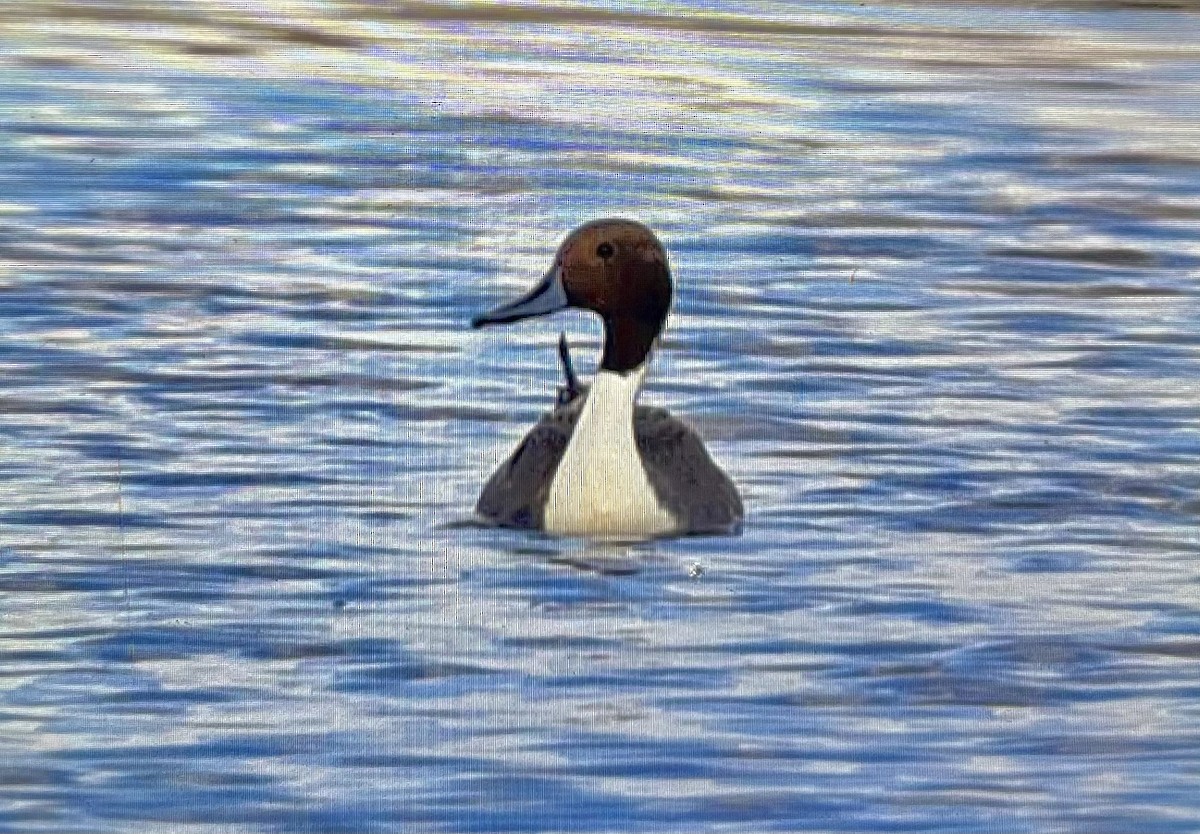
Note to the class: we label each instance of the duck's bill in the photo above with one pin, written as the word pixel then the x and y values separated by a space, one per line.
pixel 547 297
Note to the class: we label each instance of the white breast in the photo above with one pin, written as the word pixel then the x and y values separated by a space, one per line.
pixel 600 487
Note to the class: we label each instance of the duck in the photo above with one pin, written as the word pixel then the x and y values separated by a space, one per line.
pixel 599 464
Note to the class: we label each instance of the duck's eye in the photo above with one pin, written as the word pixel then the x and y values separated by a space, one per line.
pixel 604 250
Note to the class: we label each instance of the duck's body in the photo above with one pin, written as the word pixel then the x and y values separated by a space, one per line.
pixel 600 464
pixel 575 474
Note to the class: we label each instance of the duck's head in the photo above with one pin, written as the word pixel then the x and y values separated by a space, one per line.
pixel 618 270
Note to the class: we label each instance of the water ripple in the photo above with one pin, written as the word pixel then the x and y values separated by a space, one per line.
pixel 936 313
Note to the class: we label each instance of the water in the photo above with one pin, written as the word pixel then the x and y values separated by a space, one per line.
pixel 937 315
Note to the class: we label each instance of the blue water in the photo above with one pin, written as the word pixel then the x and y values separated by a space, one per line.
pixel 938 315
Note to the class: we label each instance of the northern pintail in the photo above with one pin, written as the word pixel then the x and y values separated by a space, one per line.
pixel 599 464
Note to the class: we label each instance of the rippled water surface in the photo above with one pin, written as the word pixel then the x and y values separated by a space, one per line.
pixel 937 315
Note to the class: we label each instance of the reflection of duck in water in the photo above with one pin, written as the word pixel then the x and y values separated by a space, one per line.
pixel 599 464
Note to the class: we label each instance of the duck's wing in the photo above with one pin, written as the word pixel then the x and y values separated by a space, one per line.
pixel 686 480
pixel 515 495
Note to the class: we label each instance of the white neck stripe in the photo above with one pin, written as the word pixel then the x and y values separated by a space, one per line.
pixel 600 487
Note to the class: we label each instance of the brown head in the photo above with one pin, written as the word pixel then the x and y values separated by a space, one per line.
pixel 615 268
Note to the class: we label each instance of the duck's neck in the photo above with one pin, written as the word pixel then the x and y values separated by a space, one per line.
pixel 627 344
pixel 613 397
